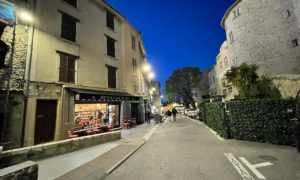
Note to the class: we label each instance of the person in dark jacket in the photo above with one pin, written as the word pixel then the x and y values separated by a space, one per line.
pixel 148 116
pixel 174 112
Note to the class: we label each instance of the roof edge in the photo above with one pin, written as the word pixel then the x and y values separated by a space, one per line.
pixel 228 12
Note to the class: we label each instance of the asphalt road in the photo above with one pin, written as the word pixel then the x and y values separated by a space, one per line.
pixel 186 150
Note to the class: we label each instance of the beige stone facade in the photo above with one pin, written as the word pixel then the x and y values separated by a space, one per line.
pixel 37 66
pixel 213 81
pixel 265 33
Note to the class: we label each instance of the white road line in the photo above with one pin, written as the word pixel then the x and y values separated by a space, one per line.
pixel 149 134
pixel 253 167
pixel 239 167
pixel 212 131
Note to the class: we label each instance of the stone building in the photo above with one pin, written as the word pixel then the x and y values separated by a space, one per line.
pixel 137 81
pixel 213 81
pixel 200 93
pixel 76 71
pixel 266 33
pixel 14 33
pixel 156 97
pixel 222 66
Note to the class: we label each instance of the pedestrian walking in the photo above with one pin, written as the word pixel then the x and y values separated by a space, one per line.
pixel 174 112
pixel 147 116
pixel 168 114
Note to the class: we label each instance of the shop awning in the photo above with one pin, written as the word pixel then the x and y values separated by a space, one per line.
pixel 85 95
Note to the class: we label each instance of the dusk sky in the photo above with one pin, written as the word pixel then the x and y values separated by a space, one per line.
pixel 177 33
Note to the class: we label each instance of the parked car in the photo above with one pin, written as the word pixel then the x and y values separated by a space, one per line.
pixel 192 113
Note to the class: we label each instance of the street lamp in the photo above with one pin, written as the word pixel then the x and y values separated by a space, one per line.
pixel 25 16
pixel 146 68
pixel 151 75
pixel 153 89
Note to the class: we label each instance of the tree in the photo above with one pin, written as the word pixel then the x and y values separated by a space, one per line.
pixel 181 83
pixel 249 84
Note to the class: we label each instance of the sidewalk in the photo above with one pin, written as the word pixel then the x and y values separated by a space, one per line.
pixel 94 162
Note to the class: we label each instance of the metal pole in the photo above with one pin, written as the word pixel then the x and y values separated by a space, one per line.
pixel 11 60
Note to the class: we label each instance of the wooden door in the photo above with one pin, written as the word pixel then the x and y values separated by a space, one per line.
pixel 45 121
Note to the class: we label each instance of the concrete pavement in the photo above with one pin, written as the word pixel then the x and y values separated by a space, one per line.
pixel 93 162
pixel 186 149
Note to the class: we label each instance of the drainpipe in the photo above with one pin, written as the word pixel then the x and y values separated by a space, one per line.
pixel 27 80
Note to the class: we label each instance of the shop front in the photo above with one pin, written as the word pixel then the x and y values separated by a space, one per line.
pixel 95 109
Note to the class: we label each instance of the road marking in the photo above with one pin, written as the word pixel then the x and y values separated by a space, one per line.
pixel 253 167
pixel 212 131
pixel 149 134
pixel 239 167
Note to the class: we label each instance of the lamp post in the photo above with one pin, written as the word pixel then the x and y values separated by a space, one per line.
pixel 24 16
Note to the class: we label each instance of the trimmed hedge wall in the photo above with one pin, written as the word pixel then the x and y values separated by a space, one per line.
pixel 214 118
pixel 267 120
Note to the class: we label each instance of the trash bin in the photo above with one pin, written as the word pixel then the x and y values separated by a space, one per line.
pixel 157 118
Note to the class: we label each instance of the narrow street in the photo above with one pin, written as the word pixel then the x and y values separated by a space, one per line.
pixel 186 149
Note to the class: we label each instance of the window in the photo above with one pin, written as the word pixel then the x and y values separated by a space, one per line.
pixel 288 13
pixel 225 92
pixel 214 79
pixel 67 68
pixel 235 62
pixel 110 46
pixel 72 2
pixel 110 20
pixel 295 43
pixel 135 84
pixel 133 42
pixel 230 90
pixel 134 66
pixel 4 48
pixel 230 37
pixel 236 13
pixel 68 27
pixel 112 81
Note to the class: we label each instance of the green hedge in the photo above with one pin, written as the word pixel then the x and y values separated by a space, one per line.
pixel 266 120
pixel 214 118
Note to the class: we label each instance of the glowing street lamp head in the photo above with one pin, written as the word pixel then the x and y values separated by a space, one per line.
pixel 25 16
pixel 146 68
pixel 151 75
pixel 153 89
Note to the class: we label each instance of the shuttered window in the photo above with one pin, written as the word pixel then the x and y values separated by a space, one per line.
pixel 72 2
pixel 110 20
pixel 134 66
pixel 67 68
pixel 112 81
pixel 110 46
pixel 68 27
pixel 133 42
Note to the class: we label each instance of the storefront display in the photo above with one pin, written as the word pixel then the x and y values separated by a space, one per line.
pixel 96 115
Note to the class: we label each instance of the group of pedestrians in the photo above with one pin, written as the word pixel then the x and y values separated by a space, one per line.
pixel 170 113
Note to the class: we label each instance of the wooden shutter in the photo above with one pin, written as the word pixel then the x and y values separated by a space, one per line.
pixel 72 2
pixel 111 77
pixel 68 27
pixel 110 20
pixel 63 69
pixel 110 46
pixel 71 69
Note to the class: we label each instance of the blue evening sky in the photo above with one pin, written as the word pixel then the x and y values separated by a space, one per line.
pixel 177 33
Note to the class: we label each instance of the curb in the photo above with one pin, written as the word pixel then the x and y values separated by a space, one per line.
pixel 145 139
pixel 211 130
pixel 110 170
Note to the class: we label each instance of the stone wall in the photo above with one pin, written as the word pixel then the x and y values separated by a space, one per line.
pixel 262 33
pixel 15 156
pixel 27 170
pixel 289 85
pixel 19 57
